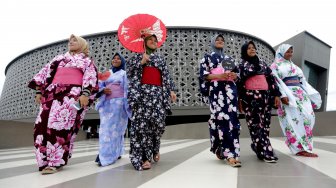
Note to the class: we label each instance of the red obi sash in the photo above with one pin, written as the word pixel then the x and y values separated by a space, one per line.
pixel 151 76
pixel 116 89
pixel 68 75
pixel 257 82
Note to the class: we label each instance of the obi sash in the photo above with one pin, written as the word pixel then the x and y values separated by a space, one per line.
pixel 292 81
pixel 219 70
pixel 256 82
pixel 151 76
pixel 116 89
pixel 68 75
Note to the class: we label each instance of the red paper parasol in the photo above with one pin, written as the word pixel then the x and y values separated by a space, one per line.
pixel 134 29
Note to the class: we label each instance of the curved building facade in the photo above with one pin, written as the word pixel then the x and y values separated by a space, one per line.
pixel 183 49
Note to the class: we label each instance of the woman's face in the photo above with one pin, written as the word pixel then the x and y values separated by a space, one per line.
pixel 74 45
pixel 289 54
pixel 152 43
pixel 251 51
pixel 219 42
pixel 116 61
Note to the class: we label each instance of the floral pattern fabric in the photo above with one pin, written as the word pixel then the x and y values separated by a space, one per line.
pixel 224 126
pixel 57 122
pixel 114 115
pixel 297 119
pixel 149 105
pixel 257 105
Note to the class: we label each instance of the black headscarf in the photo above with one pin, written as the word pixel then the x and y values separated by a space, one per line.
pixel 253 60
pixel 122 65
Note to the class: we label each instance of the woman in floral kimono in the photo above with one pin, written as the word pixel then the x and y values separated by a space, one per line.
pixel 258 92
pixel 66 80
pixel 218 74
pixel 298 99
pixel 150 88
pixel 113 111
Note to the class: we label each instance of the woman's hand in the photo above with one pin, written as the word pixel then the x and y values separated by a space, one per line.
pixel 145 59
pixel 83 100
pixel 38 98
pixel 232 75
pixel 224 76
pixel 285 100
pixel 277 102
pixel 107 91
pixel 173 96
pixel 240 106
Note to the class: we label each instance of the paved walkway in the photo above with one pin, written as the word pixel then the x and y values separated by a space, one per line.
pixel 184 163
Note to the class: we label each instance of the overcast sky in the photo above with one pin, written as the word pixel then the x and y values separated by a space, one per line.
pixel 27 24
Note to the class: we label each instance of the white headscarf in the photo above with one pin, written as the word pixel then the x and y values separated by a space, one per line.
pixel 280 53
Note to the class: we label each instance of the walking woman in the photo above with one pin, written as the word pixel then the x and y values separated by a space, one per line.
pixel 68 79
pixel 298 99
pixel 218 76
pixel 258 92
pixel 150 89
pixel 113 111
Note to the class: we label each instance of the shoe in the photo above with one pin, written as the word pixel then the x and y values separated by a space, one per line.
pixel 49 170
pixel 218 154
pixel 306 154
pixel 98 160
pixel 156 157
pixel 233 162
pixel 270 160
pixel 146 165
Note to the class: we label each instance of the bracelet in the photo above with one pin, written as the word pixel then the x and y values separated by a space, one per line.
pixel 86 92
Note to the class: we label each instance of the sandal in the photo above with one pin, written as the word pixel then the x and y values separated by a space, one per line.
pixel 306 154
pixel 156 157
pixel 233 162
pixel 146 165
pixel 49 170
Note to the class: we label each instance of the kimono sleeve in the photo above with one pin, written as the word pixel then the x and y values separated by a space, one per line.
pixel 272 84
pixel 101 86
pixel 313 94
pixel 90 79
pixel 40 78
pixel 203 72
pixel 134 75
pixel 167 78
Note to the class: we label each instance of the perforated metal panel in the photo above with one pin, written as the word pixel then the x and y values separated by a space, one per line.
pixel 183 49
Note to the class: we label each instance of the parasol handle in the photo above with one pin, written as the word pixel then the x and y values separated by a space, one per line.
pixel 143 36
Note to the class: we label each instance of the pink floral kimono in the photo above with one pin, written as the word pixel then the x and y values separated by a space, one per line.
pixel 57 122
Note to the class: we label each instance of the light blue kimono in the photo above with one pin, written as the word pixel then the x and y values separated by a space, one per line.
pixel 114 115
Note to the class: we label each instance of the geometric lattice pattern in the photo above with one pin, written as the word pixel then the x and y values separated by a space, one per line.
pixel 183 49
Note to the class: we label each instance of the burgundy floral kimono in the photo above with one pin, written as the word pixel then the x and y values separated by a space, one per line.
pixel 57 122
